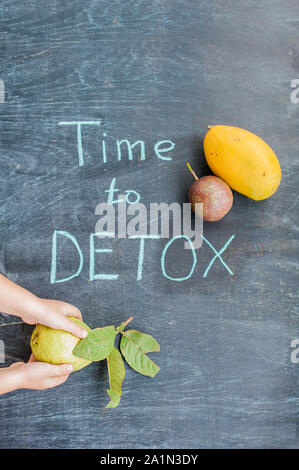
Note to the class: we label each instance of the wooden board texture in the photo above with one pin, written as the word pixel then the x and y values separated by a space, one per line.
pixel 153 70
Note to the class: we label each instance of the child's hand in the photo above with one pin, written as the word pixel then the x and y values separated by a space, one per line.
pixel 15 300
pixel 39 375
pixel 53 313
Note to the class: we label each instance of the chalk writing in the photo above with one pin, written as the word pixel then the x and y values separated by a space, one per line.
pixel 218 255
pixel 93 250
pixel 128 192
pixel 105 226
pixel 141 251
pixel 160 148
pixel 178 279
pixel 130 149
pixel 140 259
pixel 54 257
pixel 79 125
pixel 111 191
pixel 128 198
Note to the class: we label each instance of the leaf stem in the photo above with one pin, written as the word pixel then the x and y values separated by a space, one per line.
pixel 13 323
pixel 123 325
pixel 128 321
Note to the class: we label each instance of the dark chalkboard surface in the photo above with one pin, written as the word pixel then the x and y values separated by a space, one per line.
pixel 152 70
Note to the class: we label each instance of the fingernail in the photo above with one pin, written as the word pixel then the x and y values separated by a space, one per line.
pixel 69 368
pixel 84 333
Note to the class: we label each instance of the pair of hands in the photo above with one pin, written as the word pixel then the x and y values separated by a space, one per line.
pixel 40 375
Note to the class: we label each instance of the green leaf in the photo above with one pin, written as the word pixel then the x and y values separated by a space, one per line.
pixel 117 372
pixel 97 345
pixel 121 326
pixel 134 345
pixel 145 342
pixel 115 399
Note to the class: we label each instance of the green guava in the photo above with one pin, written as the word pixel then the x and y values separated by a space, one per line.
pixel 56 346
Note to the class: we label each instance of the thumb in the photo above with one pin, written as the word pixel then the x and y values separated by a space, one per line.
pixel 16 364
pixel 70 310
pixel 64 323
pixel 60 370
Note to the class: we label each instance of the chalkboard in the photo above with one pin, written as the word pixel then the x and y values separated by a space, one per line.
pixel 152 71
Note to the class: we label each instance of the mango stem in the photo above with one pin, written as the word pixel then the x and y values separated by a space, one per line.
pixel 191 171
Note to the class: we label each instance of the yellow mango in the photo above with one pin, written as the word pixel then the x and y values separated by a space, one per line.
pixel 243 160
